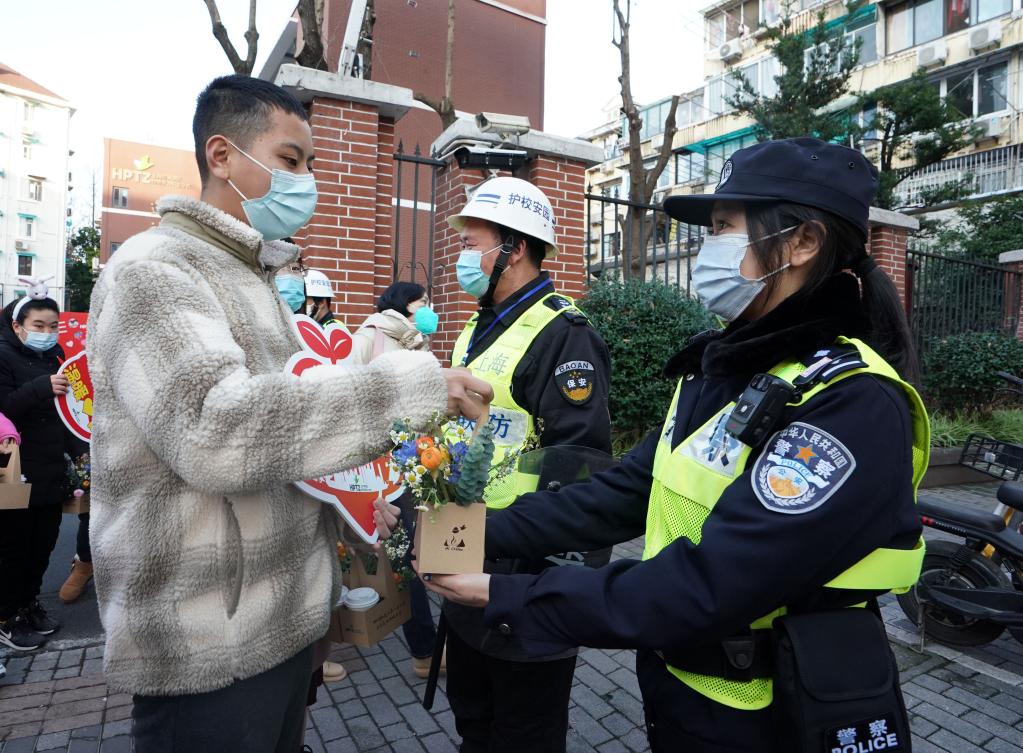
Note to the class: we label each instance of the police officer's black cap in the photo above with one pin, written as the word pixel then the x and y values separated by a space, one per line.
pixel 804 171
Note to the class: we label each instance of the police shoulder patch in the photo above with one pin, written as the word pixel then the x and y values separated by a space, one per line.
pixel 800 468
pixel 574 380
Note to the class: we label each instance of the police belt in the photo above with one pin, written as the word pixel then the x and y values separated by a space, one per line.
pixel 741 658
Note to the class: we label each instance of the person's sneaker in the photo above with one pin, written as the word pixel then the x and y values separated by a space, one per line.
pixel 421 666
pixel 333 672
pixel 39 620
pixel 17 634
pixel 81 574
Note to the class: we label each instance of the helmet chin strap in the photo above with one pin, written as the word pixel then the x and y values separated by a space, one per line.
pixel 499 266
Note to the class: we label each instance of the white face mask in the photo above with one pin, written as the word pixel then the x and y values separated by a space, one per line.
pixel 719 283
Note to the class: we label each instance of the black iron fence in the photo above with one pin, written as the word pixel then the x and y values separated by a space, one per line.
pixel 630 239
pixel 948 296
pixel 414 206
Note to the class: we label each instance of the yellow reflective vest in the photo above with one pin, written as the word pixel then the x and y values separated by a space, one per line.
pixel 513 424
pixel 684 492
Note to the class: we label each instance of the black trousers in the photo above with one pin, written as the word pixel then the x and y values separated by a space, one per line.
pixel 82 548
pixel 263 714
pixel 507 707
pixel 27 538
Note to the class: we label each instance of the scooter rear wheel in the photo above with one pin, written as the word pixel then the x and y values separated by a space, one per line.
pixel 947 627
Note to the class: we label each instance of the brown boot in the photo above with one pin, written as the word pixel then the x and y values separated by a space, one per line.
pixel 81 574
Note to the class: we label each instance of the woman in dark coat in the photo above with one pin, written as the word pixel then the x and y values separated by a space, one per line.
pixel 29 359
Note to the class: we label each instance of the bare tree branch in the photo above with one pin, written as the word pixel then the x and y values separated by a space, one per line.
pixel 666 144
pixel 251 38
pixel 445 108
pixel 220 34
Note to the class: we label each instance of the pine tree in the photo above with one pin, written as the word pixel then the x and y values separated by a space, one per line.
pixel 807 84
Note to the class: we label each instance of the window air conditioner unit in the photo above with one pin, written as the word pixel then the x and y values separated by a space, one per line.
pixel 21 245
pixel 991 128
pixel 984 37
pixel 730 51
pixel 932 55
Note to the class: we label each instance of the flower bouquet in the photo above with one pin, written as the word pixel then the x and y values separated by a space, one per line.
pixel 446 467
pixel 79 480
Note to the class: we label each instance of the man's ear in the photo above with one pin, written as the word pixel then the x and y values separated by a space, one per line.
pixel 218 154
pixel 806 243
pixel 518 251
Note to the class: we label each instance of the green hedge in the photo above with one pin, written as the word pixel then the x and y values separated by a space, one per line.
pixel 959 372
pixel 643 324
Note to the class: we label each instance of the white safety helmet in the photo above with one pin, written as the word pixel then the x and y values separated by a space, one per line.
pixel 514 203
pixel 317 285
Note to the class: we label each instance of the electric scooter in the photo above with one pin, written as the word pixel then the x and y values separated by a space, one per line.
pixel 970 592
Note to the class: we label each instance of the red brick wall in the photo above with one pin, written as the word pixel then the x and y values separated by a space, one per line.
pixel 887 244
pixel 349 236
pixel 562 180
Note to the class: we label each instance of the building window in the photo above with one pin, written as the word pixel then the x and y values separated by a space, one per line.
pixel 690 167
pixel 734 23
pixel 760 74
pixel 26 148
pixel 770 11
pixel 919 21
pixel 609 245
pixel 113 247
pixel 979 92
pixel 24 266
pixel 34 189
pixel 27 227
pixel 30 112
pixel 119 197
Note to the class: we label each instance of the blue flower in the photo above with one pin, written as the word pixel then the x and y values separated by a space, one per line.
pixel 404 452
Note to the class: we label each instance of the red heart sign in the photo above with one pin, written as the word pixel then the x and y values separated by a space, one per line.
pixel 352 491
pixel 75 406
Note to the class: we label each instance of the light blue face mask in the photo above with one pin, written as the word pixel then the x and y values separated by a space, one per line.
pixel 292 291
pixel 285 208
pixel 717 279
pixel 40 341
pixel 471 277
pixel 426 320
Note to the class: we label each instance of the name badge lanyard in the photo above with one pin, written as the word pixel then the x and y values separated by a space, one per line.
pixel 476 337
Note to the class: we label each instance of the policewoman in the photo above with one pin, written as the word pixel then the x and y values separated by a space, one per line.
pixel 776 498
pixel 550 373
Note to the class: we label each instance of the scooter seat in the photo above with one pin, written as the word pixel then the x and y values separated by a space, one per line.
pixel 1011 493
pixel 985 522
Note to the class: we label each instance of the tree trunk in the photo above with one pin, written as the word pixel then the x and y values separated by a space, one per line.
pixel 641 181
pixel 310 13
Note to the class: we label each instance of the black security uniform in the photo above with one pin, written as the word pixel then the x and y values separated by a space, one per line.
pixel 750 557
pixel 503 698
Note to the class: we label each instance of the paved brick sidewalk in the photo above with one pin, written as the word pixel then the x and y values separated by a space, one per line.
pixel 959 702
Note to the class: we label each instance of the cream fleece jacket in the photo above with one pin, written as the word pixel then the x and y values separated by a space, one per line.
pixel 210 566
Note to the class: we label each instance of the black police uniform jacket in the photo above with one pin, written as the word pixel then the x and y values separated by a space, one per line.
pixel 751 559
pixel 567 338
pixel 26 398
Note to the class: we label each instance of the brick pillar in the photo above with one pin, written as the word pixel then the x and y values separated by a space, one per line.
pixel 352 225
pixel 562 180
pixel 889 235
pixel 1013 262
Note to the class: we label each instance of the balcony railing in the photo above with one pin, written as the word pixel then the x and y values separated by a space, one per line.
pixel 968 177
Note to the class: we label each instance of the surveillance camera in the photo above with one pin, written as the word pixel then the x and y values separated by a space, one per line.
pixel 495 122
pixel 481 156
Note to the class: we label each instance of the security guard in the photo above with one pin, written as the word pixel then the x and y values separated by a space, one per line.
pixel 319 293
pixel 779 489
pixel 550 372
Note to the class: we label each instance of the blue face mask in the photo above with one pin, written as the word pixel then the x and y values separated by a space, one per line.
pixel 471 277
pixel 286 207
pixel 292 291
pixel 40 341
pixel 426 320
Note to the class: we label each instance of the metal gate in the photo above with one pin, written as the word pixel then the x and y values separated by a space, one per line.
pixel 948 296
pixel 414 261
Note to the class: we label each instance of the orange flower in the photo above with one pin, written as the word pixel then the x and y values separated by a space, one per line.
pixel 432 458
pixel 342 550
pixel 397 578
pixel 423 444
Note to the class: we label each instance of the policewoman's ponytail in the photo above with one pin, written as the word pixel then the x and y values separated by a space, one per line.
pixel 842 251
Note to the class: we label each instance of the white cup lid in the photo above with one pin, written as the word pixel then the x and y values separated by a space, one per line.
pixel 361 598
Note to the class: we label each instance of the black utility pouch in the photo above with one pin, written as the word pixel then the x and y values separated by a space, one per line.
pixel 836 685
